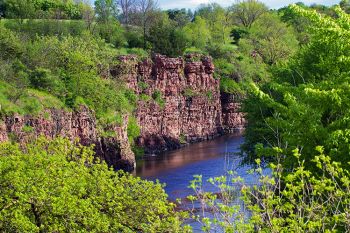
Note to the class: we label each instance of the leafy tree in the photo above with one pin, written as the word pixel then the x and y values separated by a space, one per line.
pixel 52 186
pixel 345 5
pixel 298 22
pixel 248 11
pixel 21 9
pixel 167 39
pixel 198 32
pixel 146 13
pixel 219 21
pixel 306 104
pixel 10 44
pixel 273 40
pixel 106 10
pixel 181 17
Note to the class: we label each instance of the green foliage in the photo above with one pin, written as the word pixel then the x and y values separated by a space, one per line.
pixel 106 10
pixel 10 44
pixel 47 27
pixel 198 33
pixel 193 50
pixel 306 104
pixel 27 129
pixel 301 201
pixel 273 40
pixel 52 186
pixel 157 96
pixel 58 9
pixel 167 39
pixel 133 129
pixel 145 98
pixel 189 92
pixel 139 152
pixel 112 33
pixel 182 139
pixel 248 12
pixel 142 85
pixel 228 85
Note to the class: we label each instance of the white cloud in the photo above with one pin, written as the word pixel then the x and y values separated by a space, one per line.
pixel 169 4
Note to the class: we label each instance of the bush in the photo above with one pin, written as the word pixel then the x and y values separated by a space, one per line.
pixel 301 201
pixel 133 129
pixel 47 27
pixel 157 96
pixel 58 186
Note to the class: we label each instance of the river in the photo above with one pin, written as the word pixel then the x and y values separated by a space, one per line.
pixel 210 159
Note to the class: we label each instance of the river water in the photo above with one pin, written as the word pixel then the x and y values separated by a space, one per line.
pixel 210 159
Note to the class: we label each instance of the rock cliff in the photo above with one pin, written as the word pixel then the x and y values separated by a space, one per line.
pixel 179 103
pixel 180 100
pixel 79 124
pixel 233 119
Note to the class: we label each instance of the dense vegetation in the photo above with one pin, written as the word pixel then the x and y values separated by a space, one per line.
pixel 58 186
pixel 289 66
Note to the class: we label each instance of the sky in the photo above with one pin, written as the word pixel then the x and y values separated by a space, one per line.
pixel 193 4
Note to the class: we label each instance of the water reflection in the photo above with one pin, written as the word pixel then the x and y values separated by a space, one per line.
pixel 154 166
pixel 176 168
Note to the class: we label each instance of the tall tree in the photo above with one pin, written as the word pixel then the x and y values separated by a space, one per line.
pixel 248 11
pixel 146 14
pixel 345 5
pixel 106 10
pixel 126 7
pixel 306 104
pixel 198 32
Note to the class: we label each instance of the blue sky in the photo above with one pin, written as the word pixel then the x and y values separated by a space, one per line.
pixel 193 4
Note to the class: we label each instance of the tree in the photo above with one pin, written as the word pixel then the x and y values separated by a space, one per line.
pixel 126 7
pixel 19 9
pixel 166 38
pixel 181 17
pixel 88 14
pixel 106 10
pixel 272 39
pixel 345 5
pixel 58 186
pixel 248 11
pixel 301 201
pixel 198 32
pixel 219 21
pixel 306 103
pixel 145 15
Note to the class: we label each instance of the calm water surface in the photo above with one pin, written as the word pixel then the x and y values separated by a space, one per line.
pixel 210 159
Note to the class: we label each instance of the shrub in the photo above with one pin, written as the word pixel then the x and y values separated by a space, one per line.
pixel 55 186
pixel 189 92
pixel 301 201
pixel 133 129
pixel 157 96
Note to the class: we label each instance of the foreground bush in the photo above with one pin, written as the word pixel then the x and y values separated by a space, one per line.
pixel 301 201
pixel 56 186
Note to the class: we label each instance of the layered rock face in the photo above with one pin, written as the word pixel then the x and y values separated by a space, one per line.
pixel 233 119
pixel 181 101
pixel 80 124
